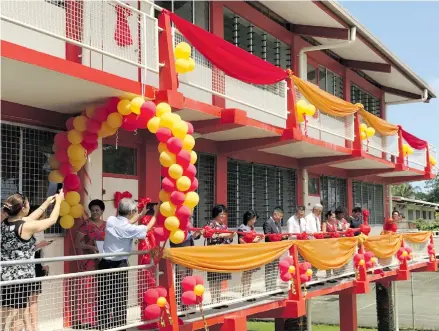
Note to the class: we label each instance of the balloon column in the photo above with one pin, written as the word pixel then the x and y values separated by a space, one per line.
pixel 304 109
pixel 404 254
pixel 366 132
pixel 287 269
pixel 183 61
pixel 431 252
pixel 192 293
pixel 157 305
pixel 433 161
pixel 305 273
pixel 366 260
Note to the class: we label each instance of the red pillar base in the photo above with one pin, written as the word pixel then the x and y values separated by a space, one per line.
pixel 361 287
pixel 294 309
pixel 348 312
pixel 432 266
pixel 235 323
pixel 403 275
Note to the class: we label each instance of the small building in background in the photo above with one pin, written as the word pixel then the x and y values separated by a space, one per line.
pixel 413 210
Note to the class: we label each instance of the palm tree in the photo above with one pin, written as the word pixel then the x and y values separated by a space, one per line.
pixel 405 190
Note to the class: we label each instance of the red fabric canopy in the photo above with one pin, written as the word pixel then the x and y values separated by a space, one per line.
pixel 234 61
pixel 413 141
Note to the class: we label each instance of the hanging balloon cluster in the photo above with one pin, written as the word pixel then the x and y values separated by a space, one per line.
pixel 366 260
pixel 157 306
pixel 183 61
pixel 404 254
pixel 366 132
pixel 406 151
pixel 304 109
pixel 433 161
pixel 287 271
pixel 192 294
pixel 431 252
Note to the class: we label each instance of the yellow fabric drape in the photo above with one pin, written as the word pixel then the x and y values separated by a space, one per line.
pixel 381 126
pixel 324 101
pixel 325 254
pixel 227 258
pixel 383 246
pixel 417 237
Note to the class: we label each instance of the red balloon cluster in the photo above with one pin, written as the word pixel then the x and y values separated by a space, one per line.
pixel 193 290
pixel 349 233
pixel 404 254
pixel 155 300
pixel 318 235
pixel 208 232
pixel 366 216
pixel 366 260
pixel 286 269
pixel 365 229
pixel 335 234
pixel 305 272
pixel 249 237
pixel 302 236
pixel 431 250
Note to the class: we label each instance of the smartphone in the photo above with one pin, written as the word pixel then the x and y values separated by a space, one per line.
pixel 50 242
pixel 150 208
pixel 59 188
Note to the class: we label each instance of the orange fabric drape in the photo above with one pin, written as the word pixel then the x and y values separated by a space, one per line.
pixel 325 254
pixel 381 126
pixel 227 258
pixel 417 237
pixel 324 101
pixel 383 246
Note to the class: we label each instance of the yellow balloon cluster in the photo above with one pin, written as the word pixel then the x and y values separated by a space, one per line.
pixel 304 108
pixel 183 61
pixel 433 161
pixel 407 150
pixel 366 132
pixel 70 209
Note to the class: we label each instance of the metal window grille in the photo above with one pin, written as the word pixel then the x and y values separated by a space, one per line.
pixel 370 103
pixel 331 82
pixel 25 167
pixel 410 215
pixel 259 187
pixel 418 214
pixel 206 171
pixel 333 192
pixel 370 196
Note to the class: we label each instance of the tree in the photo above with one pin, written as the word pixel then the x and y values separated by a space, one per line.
pixel 405 190
pixel 433 190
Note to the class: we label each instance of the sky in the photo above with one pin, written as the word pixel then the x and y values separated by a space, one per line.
pixel 410 29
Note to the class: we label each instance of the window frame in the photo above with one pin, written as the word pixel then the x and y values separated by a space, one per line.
pixel 126 145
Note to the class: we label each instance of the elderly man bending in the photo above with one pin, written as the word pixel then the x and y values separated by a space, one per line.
pixel 120 232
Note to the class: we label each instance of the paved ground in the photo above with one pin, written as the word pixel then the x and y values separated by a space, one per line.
pixel 425 302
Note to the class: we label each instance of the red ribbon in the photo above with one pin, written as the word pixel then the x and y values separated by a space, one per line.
pixel 119 196
pixel 122 35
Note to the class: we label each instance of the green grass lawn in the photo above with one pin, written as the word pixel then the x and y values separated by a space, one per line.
pixel 269 326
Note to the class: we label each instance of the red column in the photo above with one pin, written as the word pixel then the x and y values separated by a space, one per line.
pixel 358 145
pixel 150 174
pixel 221 179
pixel 428 164
pixel 348 311
pixel 350 194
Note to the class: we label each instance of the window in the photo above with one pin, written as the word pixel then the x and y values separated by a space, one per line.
pixel 196 12
pixel 331 82
pixel 25 164
pixel 333 192
pixel 371 197
pixel 120 160
pixel 418 214
pixel 206 189
pixel 259 187
pixel 313 186
pixel 370 103
pixel 311 74
pixel 410 215
pixel 424 214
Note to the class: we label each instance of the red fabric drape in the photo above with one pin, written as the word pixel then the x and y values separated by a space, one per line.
pixel 413 141
pixel 122 35
pixel 234 61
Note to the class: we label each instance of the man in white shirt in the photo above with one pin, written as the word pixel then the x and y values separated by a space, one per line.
pixel 120 232
pixel 296 223
pixel 313 220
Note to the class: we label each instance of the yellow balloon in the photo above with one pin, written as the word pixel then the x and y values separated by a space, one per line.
pixel 114 120
pixel 310 110
pixel 136 103
pixel 90 111
pixel 106 130
pixel 362 262
pixel 76 152
pixel 309 272
pixel 199 290
pixel 80 123
pixel 191 64
pixel 124 107
pixel 182 66
pixel 194 157
pixel 55 177
pixel 72 198
pixel 191 199
pixel 164 196
pixel 162 147
pixel 183 183
pixel 167 159
pixel 180 129
pixel 172 223
pixel 161 302
pixel 76 211
pixel 300 118
pixel 66 222
pixel 162 108
pixel 363 135
pixel 188 142
pixel 167 209
pixel 291 269
pixel 301 106
pixel 77 164
pixel 167 120
pixel 74 136
pixel 411 150
pixel 53 162
pixel 370 132
pixel 175 171
pixel 363 127
pixel 177 237
pixel 64 208
pixel 153 124
pixel 182 50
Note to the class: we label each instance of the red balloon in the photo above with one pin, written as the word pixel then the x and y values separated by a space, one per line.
pixel 177 198
pixel 65 168
pixel 150 297
pixel 189 298
pixel 93 126
pixel 142 245
pixel 72 182
pixel 430 246
pixel 89 137
pixel 303 278
pixel 190 171
pixel 358 257
pixel 100 114
pixel 161 234
pixel 90 146
pixel 164 171
pixel 190 127
pixel 111 105
pixel 184 158
pixel 160 220
pixel 199 280
pixel 183 213
pixel 152 312
pixel 194 185
pixel 61 155
pixel 163 134
pixel 69 123
pixel 162 291
pixel 369 265
pixel 400 251
pixel 129 122
pixel 174 145
pixel 369 255
pixel 283 266
pixel 286 276
pixel 168 184
pixel 409 249
pixel 188 283
pixel 184 224
pixel 61 140
pixel 148 108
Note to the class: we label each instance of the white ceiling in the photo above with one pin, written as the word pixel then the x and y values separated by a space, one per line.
pixel 362 164
pixel 302 150
pixel 242 133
